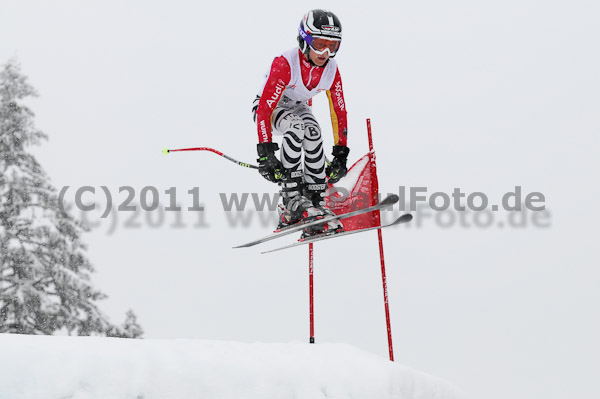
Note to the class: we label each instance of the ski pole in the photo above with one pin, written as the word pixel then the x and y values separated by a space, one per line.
pixel 247 165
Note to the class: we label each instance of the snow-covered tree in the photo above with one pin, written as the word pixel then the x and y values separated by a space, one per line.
pixel 45 284
pixel 129 329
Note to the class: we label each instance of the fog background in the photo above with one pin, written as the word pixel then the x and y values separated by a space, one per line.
pixel 481 96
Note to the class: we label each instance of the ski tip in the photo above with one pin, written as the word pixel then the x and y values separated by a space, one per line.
pixel 165 151
pixel 271 250
pixel 407 217
pixel 390 199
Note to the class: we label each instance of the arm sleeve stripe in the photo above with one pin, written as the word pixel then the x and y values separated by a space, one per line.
pixel 334 119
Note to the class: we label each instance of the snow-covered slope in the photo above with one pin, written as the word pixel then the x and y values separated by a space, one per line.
pixel 52 367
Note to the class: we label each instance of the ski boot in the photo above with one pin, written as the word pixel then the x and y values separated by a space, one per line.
pixel 316 193
pixel 295 206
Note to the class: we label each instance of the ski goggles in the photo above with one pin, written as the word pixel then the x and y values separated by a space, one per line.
pixel 319 44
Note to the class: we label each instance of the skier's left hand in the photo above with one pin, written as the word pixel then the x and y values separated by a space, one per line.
pixel 336 169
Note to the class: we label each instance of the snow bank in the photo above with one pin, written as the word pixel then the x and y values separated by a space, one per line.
pixel 51 367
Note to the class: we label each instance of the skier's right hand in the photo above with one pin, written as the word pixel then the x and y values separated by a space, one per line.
pixel 268 165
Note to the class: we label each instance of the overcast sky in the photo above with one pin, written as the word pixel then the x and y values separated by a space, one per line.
pixel 483 96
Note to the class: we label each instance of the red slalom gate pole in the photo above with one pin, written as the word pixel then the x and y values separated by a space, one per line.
pixel 380 237
pixel 385 295
pixel 310 281
pixel 310 289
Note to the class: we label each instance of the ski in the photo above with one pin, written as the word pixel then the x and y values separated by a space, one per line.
pixel 407 217
pixel 387 201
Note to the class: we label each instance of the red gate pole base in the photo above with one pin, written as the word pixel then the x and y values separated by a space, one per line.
pixel 385 295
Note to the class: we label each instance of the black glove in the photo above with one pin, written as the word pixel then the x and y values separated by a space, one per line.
pixel 268 165
pixel 337 169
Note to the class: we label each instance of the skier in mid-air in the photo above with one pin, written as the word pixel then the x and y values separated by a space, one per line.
pixel 282 107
